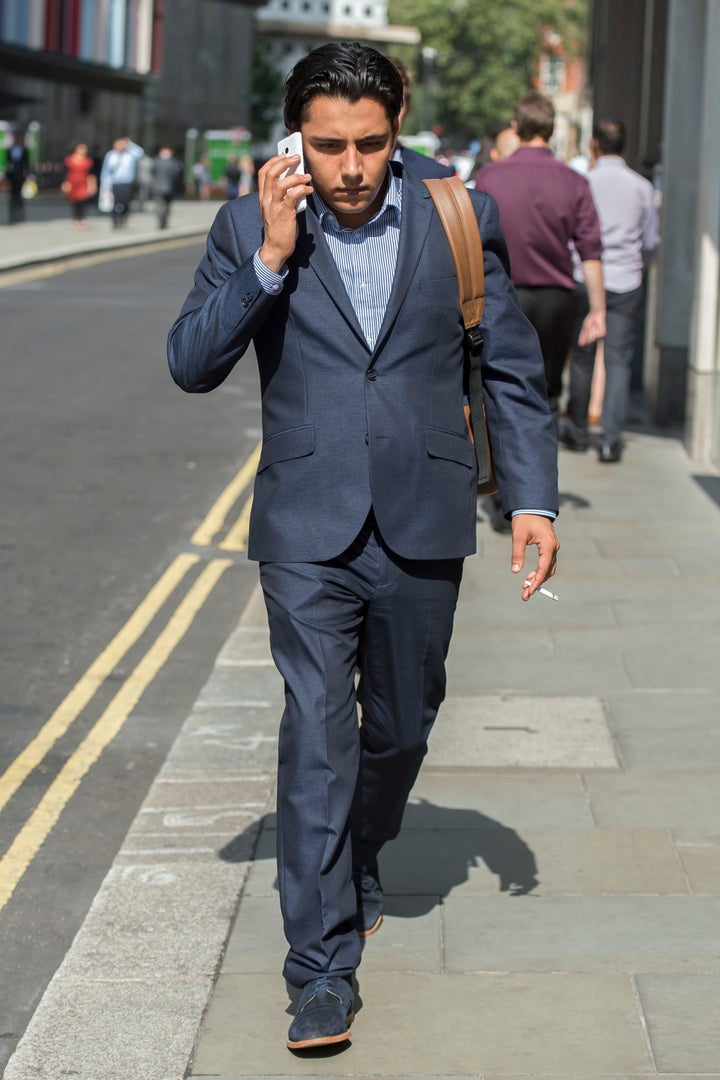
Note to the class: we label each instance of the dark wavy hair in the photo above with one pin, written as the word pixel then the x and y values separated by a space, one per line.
pixel 345 70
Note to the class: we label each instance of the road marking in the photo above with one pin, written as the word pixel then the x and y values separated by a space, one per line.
pixel 33 834
pixel 84 690
pixel 216 516
pixel 237 537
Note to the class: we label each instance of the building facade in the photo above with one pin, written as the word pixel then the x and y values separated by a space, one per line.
pixel 91 70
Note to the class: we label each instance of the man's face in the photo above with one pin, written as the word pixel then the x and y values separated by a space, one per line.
pixel 347 148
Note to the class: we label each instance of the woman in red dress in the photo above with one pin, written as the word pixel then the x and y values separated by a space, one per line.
pixel 80 184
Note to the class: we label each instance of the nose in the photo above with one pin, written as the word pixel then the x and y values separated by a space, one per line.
pixel 352 163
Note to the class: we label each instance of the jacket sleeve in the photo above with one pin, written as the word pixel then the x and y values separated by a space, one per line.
pixel 521 428
pixel 222 312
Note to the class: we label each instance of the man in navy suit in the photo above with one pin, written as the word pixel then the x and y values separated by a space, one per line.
pixel 365 498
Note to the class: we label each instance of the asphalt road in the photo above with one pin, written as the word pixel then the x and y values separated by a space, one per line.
pixel 108 469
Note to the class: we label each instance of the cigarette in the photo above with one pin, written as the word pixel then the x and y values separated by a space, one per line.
pixel 546 592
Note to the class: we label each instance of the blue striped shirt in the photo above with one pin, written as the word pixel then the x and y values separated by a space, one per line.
pixel 365 258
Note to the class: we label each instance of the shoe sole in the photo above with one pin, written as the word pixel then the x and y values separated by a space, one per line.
pixel 328 1040
pixel 373 929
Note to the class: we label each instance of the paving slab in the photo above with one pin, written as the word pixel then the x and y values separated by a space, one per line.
pixel 488 1076
pixel 669 799
pixel 513 731
pixel 590 663
pixel 582 933
pixel 682 1013
pixel 700 857
pixel 461 1026
pixel 240 736
pixel 454 799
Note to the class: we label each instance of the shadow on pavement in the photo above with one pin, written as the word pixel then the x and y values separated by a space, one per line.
pixel 433 855
pixel 710 485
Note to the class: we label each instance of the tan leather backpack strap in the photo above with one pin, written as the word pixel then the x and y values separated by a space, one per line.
pixel 455 210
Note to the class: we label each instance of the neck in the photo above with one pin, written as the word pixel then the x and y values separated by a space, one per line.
pixel 536 141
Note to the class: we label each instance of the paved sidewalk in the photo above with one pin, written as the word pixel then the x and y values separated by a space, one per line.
pixel 553 903
pixel 42 239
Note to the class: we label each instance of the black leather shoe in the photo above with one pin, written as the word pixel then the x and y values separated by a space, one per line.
pixel 324 1013
pixel 609 453
pixel 369 901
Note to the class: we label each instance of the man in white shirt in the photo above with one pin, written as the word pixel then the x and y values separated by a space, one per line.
pixel 118 173
pixel 629 223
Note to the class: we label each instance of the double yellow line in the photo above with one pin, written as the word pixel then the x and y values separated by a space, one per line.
pixel 36 829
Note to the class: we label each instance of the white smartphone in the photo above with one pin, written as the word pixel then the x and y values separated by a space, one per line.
pixel 290 146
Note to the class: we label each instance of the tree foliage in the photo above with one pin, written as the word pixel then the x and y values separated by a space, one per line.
pixel 267 90
pixel 487 56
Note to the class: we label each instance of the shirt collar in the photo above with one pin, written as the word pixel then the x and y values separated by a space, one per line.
pixel 391 205
pixel 611 160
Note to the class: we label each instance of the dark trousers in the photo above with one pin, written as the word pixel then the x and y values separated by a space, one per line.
pixel 622 324
pixel 552 313
pixel 342 789
pixel 16 204
pixel 162 210
pixel 122 194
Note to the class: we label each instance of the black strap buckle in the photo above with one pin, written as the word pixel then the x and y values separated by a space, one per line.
pixel 474 339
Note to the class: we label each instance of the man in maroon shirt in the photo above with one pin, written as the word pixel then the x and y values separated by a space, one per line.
pixel 544 205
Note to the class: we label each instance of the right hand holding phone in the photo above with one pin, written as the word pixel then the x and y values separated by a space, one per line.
pixel 279 196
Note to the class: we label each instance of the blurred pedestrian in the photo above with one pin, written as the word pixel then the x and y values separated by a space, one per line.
pixel 544 205
pixel 144 180
pixel 363 506
pixel 201 178
pixel 507 141
pixel 80 184
pixel 630 233
pixel 119 170
pixel 17 171
pixel 247 175
pixel 232 177
pixel 165 182
pixel 421 165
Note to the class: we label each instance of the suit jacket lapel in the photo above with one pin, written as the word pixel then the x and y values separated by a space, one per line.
pixel 417 211
pixel 312 246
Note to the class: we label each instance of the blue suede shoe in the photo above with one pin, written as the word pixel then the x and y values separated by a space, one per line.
pixel 324 1013
pixel 369 900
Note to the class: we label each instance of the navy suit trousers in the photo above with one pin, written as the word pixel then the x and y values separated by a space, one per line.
pixel 342 787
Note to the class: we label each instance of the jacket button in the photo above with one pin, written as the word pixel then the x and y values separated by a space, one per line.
pixel 367 440
pixel 372 374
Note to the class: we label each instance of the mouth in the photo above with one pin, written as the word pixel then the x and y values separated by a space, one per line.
pixel 352 192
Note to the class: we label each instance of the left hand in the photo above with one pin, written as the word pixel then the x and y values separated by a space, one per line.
pixel 534 530
pixel 592 329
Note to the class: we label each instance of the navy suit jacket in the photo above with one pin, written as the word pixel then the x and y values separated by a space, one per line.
pixel 423 166
pixel 347 426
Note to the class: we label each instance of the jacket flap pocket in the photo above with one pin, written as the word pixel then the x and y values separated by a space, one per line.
pixel 285 445
pixel 450 445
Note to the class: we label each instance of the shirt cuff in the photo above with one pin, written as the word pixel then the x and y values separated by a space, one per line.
pixel 541 513
pixel 271 282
